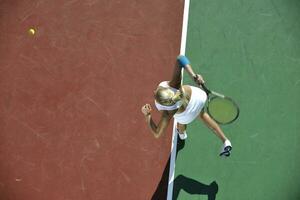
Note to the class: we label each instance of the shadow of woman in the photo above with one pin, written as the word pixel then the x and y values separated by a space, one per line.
pixel 192 186
pixel 181 182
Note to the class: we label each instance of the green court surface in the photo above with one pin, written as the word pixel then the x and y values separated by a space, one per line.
pixel 250 51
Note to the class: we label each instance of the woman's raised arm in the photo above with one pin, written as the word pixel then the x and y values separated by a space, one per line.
pixel 183 62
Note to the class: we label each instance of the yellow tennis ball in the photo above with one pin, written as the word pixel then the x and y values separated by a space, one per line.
pixel 31 31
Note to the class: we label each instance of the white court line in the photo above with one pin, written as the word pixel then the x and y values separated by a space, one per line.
pixel 184 26
pixel 174 135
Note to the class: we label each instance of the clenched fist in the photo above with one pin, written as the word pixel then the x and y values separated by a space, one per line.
pixel 198 79
pixel 146 109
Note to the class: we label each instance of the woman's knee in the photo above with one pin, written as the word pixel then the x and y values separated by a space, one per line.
pixel 202 115
pixel 181 126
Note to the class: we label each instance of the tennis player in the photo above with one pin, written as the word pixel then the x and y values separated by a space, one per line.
pixel 185 103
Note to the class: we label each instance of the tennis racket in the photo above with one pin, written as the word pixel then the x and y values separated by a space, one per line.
pixel 221 108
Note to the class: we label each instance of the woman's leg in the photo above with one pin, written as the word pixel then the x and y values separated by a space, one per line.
pixel 181 129
pixel 213 125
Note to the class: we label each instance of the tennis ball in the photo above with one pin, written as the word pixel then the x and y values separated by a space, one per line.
pixel 31 31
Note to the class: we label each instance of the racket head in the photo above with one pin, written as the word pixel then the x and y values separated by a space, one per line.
pixel 222 109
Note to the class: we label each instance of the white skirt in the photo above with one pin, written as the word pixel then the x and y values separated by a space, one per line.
pixel 194 107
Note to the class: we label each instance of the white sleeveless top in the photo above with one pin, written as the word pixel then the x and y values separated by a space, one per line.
pixel 194 107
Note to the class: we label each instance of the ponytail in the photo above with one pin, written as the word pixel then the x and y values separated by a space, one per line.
pixel 177 96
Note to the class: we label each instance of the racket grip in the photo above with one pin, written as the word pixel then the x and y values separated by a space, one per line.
pixel 206 90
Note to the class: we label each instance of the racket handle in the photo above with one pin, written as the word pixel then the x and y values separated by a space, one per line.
pixel 206 90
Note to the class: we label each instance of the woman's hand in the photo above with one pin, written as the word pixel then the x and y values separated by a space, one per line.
pixel 198 79
pixel 146 110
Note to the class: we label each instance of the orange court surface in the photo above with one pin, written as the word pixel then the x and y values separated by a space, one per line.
pixel 71 92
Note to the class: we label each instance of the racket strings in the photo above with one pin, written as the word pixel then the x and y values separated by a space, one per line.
pixel 223 110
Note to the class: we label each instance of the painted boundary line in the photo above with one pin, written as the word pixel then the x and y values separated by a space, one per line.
pixel 174 135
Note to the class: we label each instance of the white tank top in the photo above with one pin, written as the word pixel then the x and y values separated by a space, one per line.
pixel 194 107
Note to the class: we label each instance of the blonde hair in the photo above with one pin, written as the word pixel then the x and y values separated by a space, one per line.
pixel 167 97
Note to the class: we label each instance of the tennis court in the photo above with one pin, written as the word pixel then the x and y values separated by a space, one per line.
pixel 74 75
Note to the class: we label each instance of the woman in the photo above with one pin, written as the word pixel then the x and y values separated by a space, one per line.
pixel 183 102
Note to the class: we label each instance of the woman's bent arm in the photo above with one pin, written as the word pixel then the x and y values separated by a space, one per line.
pixel 158 130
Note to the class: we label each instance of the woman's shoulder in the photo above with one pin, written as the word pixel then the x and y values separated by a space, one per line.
pixel 186 89
pixel 186 86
